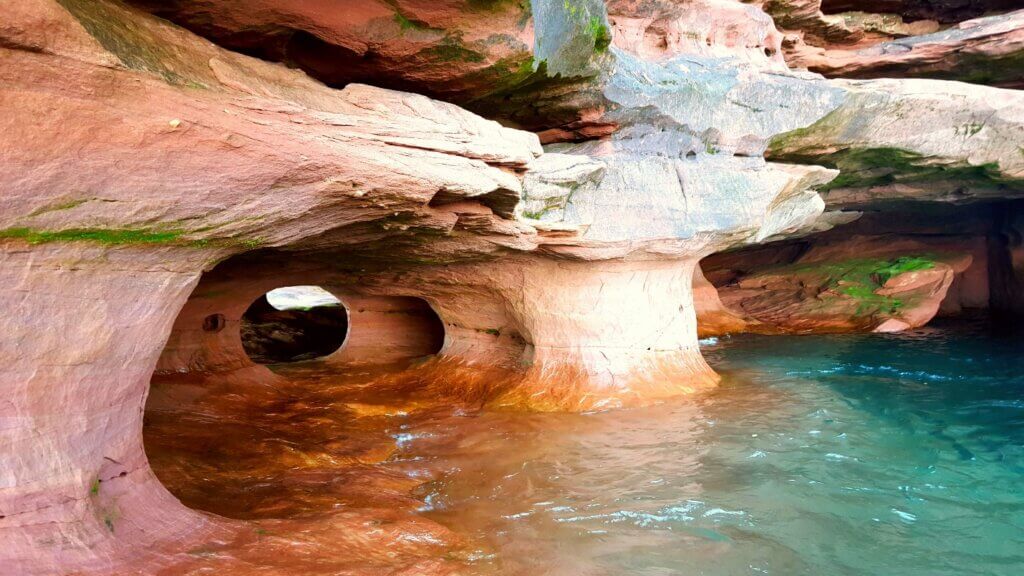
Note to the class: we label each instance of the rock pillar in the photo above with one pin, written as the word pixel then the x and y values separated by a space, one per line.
pixel 592 334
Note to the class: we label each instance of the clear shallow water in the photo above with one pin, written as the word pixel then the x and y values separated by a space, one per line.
pixel 818 455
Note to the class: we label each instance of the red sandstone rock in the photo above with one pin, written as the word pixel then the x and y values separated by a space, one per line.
pixel 448 48
pixel 713 318
pixel 133 170
pixel 162 155
pixel 987 50
pixel 884 285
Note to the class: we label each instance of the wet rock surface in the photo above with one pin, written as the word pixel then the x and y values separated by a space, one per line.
pixel 176 179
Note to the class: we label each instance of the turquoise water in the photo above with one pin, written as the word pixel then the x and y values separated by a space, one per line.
pixel 880 454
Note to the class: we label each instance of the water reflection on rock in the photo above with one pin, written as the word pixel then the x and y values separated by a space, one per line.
pixel 840 455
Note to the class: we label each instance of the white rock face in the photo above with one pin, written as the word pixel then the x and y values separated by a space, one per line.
pixel 301 297
pixel 916 140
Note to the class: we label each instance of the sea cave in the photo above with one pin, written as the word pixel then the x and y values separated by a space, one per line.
pixel 512 287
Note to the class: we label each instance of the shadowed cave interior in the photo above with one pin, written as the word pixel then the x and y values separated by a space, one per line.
pixel 292 324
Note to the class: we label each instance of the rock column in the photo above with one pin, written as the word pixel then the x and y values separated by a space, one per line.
pixel 594 334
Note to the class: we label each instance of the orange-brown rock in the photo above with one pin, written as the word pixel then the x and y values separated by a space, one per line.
pixel 857 283
pixel 713 318
pixel 451 49
pixel 899 39
pixel 986 50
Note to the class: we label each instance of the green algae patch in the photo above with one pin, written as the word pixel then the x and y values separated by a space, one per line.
pixel 827 142
pixel 870 167
pixel 984 69
pixel 129 41
pixel 859 279
pixel 127 236
pixel 601 34
pixel 902 265
pixel 407 24
pixel 98 235
pixel 142 42
pixel 881 166
pixel 452 49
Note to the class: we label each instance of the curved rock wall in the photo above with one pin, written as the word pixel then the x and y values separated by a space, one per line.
pixel 165 160
pixel 381 329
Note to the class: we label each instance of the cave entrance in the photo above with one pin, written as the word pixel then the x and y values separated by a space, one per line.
pixel 292 324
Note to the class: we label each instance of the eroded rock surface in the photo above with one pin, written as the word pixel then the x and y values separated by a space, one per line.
pixel 915 140
pixel 169 168
pixel 855 293
pixel 986 50
pixel 887 271
pixel 902 39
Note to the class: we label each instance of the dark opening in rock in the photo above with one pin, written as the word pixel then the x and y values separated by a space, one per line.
pixel 292 324
pixel 214 323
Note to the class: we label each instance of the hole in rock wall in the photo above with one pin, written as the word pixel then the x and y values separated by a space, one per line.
pixel 214 323
pixel 293 323
pixel 278 394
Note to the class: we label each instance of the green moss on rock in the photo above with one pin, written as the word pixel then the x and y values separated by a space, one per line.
pixel 870 167
pixel 452 49
pixel 98 235
pixel 407 24
pixel 601 34
pixel 127 40
pixel 125 236
pixel 859 279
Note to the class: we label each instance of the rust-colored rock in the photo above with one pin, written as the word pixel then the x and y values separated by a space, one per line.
pixel 986 51
pixel 147 168
pixel 451 49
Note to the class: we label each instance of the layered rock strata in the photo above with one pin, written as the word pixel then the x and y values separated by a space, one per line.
pixel 970 41
pixel 887 271
pixel 167 163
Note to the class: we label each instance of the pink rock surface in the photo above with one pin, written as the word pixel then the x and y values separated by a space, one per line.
pixel 166 156
pixel 987 50
pixel 150 167
pixel 715 28
pixel 834 286
pixel 443 48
